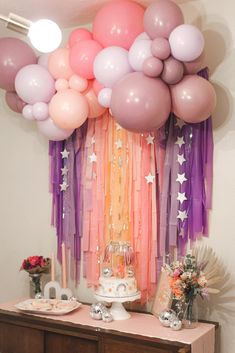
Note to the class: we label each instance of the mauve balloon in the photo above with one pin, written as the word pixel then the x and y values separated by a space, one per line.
pixel 173 71
pixel 14 102
pixel 14 54
pixel 140 103
pixel 193 99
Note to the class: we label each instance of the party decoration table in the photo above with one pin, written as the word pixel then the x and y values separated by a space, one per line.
pixel 78 332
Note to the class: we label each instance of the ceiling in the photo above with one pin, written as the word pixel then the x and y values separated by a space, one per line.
pixel 68 13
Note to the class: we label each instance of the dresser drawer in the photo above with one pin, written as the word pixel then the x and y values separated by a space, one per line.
pixel 57 343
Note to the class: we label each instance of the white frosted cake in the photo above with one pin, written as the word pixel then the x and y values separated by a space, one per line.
pixel 117 287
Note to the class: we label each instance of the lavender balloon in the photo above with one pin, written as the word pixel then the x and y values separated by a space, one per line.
pixel 140 103
pixel 27 112
pixel 40 111
pixel 139 51
pixel 51 131
pixel 104 97
pixel 34 84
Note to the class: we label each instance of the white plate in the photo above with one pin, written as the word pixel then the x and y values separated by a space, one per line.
pixel 48 306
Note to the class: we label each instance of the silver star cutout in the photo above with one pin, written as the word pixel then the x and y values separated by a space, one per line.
pixel 64 170
pixel 65 153
pixel 181 178
pixel 180 123
pixel 149 139
pixel 182 215
pixel 92 140
pixel 180 141
pixel 93 158
pixel 118 144
pixel 181 197
pixel 150 178
pixel 180 159
pixel 64 186
pixel 118 127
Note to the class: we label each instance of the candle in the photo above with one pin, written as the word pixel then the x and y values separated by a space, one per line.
pixel 64 280
pixel 52 267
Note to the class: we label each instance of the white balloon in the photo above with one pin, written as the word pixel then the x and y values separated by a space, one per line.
pixel 27 112
pixel 110 65
pixel 141 36
pixel 104 97
pixel 139 51
pixel 49 129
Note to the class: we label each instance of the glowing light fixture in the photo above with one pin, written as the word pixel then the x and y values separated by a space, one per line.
pixel 45 35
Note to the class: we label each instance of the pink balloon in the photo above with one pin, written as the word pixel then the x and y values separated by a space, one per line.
pixel 51 131
pixel 173 71
pixel 161 17
pixel 193 99
pixel 97 87
pixel 152 67
pixel 186 42
pixel 68 109
pixel 27 112
pixel 161 48
pixel 58 64
pixel 95 109
pixel 40 111
pixel 14 54
pixel 78 83
pixel 79 34
pixel 140 103
pixel 82 56
pixel 34 84
pixel 194 66
pixel 61 84
pixel 14 102
pixel 118 23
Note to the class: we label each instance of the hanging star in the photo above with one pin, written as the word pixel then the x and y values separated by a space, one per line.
pixel 180 141
pixel 181 178
pixel 65 153
pixel 149 178
pixel 93 158
pixel 181 197
pixel 180 159
pixel 64 170
pixel 92 140
pixel 118 144
pixel 182 215
pixel 180 123
pixel 149 139
pixel 64 186
pixel 118 127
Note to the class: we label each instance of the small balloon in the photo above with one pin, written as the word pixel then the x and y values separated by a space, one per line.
pixel 161 17
pixel 58 64
pixel 186 42
pixel 53 132
pixel 95 109
pixel 79 34
pixel 40 111
pixel 138 52
pixel 14 102
pixel 173 71
pixel 104 97
pixel 193 99
pixel 152 67
pixel 27 112
pixel 61 83
pixel 78 83
pixel 161 48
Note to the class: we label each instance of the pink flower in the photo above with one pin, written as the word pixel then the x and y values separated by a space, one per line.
pixel 176 272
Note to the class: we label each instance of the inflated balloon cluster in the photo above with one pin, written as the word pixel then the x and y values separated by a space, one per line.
pixel 99 311
pixel 168 318
pixel 139 63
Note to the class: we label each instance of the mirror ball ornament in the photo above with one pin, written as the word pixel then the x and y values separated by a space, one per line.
pixel 166 317
pixel 99 311
pixel 176 324
pixel 107 272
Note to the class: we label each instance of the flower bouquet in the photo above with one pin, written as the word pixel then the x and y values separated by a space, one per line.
pixel 36 266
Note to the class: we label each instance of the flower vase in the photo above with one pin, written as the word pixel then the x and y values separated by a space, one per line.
pixel 190 316
pixel 36 283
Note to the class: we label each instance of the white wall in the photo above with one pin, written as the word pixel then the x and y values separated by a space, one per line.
pixel 25 205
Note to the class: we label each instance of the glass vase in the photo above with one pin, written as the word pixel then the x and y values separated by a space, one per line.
pixel 190 316
pixel 36 283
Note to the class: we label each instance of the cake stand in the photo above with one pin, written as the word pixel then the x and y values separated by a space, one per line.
pixel 117 310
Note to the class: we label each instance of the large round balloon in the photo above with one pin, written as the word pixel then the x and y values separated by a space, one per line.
pixel 14 54
pixel 140 103
pixel 161 17
pixel 58 64
pixel 193 99
pixel 68 109
pixel 110 65
pixel 186 42
pixel 34 84
pixel 14 102
pixel 82 56
pixel 118 23
pixel 51 131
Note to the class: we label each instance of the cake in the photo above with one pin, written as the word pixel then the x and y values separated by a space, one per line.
pixel 117 287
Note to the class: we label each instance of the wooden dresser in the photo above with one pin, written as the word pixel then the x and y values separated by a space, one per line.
pixel 78 333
